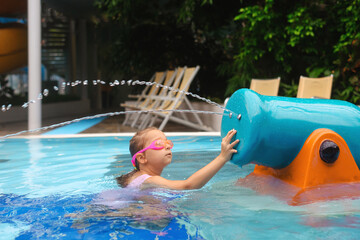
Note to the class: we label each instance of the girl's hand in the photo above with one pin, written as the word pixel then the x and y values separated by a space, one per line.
pixel 227 148
pixel 202 176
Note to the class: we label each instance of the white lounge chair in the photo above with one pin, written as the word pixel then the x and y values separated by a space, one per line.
pixel 152 100
pixel 173 101
pixel 142 99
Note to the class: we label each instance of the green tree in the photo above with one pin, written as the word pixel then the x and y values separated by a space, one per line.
pixel 289 39
pixel 139 37
pixel 347 49
pixel 234 41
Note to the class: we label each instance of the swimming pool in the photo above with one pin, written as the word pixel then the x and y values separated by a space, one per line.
pixel 49 188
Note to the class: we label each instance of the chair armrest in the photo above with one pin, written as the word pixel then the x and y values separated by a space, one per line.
pixel 161 98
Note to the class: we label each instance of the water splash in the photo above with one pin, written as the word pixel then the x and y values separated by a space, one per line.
pixel 116 83
pixel 106 115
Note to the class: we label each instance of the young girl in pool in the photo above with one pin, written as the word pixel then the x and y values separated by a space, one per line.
pixel 151 153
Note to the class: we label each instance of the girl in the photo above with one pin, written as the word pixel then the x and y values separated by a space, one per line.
pixel 151 152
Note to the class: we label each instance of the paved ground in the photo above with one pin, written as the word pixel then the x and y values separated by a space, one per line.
pixel 109 125
pixel 114 125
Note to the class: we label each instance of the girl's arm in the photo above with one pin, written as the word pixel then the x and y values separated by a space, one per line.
pixel 202 176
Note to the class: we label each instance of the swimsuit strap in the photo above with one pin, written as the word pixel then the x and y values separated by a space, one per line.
pixel 138 181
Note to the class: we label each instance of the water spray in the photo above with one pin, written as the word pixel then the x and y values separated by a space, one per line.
pixel 130 82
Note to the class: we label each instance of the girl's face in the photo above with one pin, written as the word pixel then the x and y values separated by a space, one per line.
pixel 157 159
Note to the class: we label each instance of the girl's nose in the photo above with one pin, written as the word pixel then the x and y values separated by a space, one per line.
pixel 167 146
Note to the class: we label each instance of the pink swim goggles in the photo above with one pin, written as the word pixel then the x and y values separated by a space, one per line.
pixel 155 145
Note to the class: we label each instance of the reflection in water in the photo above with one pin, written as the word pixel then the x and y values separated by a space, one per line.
pixel 31 175
pixel 296 196
pixel 145 209
pixel 145 216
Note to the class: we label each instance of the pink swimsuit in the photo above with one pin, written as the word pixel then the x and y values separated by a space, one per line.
pixel 123 197
pixel 136 183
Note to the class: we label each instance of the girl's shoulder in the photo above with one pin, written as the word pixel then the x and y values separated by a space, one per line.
pixel 137 180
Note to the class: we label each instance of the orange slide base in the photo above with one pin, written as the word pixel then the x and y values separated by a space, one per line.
pixel 308 178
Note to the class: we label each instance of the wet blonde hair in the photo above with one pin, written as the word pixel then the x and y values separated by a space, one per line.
pixel 137 143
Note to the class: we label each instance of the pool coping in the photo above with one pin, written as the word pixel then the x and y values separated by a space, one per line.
pixel 127 134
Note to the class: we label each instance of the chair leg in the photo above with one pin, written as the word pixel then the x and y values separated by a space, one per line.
pixel 145 121
pixel 191 108
pixel 154 118
pixel 127 117
pixel 183 115
pixel 149 118
pixel 164 122
pixel 136 119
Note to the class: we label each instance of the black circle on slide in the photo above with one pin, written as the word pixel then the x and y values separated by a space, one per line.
pixel 329 151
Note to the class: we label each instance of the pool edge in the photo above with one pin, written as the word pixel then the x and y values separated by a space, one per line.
pixel 127 134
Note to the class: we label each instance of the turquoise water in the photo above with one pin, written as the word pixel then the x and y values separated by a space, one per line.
pixel 49 188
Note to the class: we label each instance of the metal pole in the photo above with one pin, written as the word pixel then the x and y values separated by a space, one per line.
pixel 34 62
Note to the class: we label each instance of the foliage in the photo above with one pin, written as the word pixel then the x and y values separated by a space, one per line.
pixel 234 41
pixel 139 37
pixel 349 91
pixel 289 90
pixel 277 38
pixel 348 50
pixel 289 39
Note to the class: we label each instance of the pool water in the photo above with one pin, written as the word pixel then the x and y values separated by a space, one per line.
pixel 49 189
